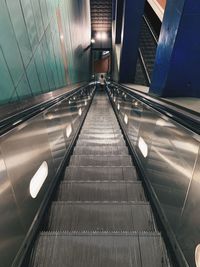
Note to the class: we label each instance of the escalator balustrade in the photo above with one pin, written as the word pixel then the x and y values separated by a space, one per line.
pixel 100 215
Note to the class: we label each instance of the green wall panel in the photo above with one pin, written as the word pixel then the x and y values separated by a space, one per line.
pixel 30 22
pixel 38 17
pixel 14 97
pixel 19 26
pixel 23 89
pixel 41 70
pixel 33 78
pixel 9 44
pixel 6 83
pixel 42 46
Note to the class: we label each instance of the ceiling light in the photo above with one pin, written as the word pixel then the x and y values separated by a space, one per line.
pixel 104 36
pixel 101 36
pixel 98 36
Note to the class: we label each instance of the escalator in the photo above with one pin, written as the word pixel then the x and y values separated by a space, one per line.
pixel 146 53
pixel 100 215
pixel 148 45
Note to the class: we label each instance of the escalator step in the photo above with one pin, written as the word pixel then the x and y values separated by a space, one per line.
pixel 100 150
pixel 98 216
pixel 103 139
pixel 101 136
pixel 94 130
pixel 99 173
pixel 101 128
pixel 107 142
pixel 100 191
pixel 107 250
pixel 90 160
pixel 110 122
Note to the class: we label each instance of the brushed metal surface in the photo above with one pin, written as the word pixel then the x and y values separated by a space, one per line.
pixel 98 216
pixel 91 160
pixel 99 173
pixel 93 209
pixel 172 167
pixel 100 191
pixel 11 228
pixel 131 249
pixel 22 151
pixel 100 150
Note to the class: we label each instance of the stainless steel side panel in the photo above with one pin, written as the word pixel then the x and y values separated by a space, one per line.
pixel 172 166
pixel 22 151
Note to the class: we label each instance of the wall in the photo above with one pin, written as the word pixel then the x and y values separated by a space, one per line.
pixel 42 46
pixel 116 51
pixel 102 65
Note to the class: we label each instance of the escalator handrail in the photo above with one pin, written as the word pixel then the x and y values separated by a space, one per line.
pixel 15 120
pixel 150 30
pixel 145 69
pixel 146 73
pixel 187 118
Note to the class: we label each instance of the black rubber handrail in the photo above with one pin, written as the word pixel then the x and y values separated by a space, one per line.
pixel 13 121
pixel 145 69
pixel 150 30
pixel 146 73
pixel 187 118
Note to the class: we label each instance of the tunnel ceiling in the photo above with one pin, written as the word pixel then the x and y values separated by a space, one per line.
pixel 101 15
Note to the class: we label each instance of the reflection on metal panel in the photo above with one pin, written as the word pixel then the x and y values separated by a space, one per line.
pixel 143 147
pixel 172 167
pixel 68 130
pixel 38 179
pixel 11 230
pixel 197 256
pixel 42 139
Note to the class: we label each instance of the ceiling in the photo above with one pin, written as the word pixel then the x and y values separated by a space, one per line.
pixel 101 15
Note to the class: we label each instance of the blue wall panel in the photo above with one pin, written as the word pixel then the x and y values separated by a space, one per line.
pixel 176 71
pixel 132 17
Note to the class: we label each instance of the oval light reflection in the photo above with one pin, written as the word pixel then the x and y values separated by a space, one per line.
pixel 68 130
pixel 197 255
pixel 80 112
pixel 126 119
pixel 38 179
pixel 143 147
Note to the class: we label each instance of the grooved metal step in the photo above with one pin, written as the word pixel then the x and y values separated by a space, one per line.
pixel 107 142
pixel 99 173
pixel 88 160
pixel 99 250
pixel 98 216
pixel 101 215
pixel 100 191
pixel 100 150
pixel 101 125
pixel 94 130
pixel 101 136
